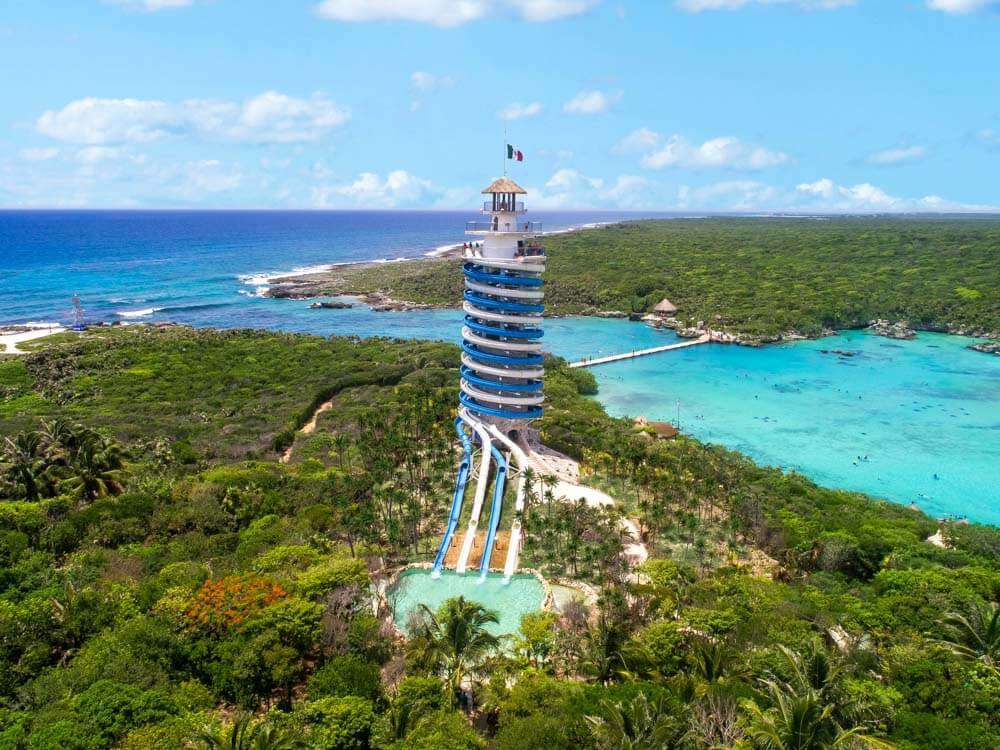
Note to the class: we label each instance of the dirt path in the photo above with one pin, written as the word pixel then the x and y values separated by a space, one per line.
pixel 307 429
pixel 11 340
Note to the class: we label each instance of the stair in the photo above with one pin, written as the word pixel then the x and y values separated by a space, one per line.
pixel 500 545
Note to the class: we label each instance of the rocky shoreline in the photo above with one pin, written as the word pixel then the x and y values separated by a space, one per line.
pixel 336 282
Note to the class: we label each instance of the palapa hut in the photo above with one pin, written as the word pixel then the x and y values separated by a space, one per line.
pixel 665 308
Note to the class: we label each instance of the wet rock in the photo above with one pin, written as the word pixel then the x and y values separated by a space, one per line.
pixel 897 330
pixel 988 347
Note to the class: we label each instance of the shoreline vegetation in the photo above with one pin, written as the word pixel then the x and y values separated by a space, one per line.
pixel 742 280
pixel 165 577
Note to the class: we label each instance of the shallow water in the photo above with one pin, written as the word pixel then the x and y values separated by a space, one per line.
pixel 922 415
pixel 523 594
pixel 916 409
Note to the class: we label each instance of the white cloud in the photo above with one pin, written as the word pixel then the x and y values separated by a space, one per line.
pixel 825 195
pixel 517 110
pixel 989 136
pixel 270 117
pixel 727 152
pixel 697 6
pixel 93 120
pixel 273 117
pixel 959 6
pixel 900 155
pixel 153 5
pixel 550 10
pixel 443 13
pixel 38 154
pixel 425 82
pixel 591 102
pixel 196 179
pixel 370 191
pixel 448 13
pixel 729 195
pixel 824 188
pixel 569 180
pixel 97 154
pixel 628 191
pixel 569 188
pixel 638 141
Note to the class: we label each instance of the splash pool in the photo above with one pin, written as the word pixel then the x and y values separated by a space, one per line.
pixel 524 593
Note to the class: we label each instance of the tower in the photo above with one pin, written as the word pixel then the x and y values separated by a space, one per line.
pixel 501 372
pixel 78 324
pixel 501 338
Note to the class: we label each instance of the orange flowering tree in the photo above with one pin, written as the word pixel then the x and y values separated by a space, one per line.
pixel 225 604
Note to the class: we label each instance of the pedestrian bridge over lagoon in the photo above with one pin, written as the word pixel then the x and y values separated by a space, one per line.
pixel 591 362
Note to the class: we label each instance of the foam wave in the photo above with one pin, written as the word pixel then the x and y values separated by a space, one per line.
pixel 262 279
pixel 138 313
pixel 443 250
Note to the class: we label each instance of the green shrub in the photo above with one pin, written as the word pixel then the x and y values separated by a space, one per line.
pixel 115 708
pixel 330 575
pixel 346 675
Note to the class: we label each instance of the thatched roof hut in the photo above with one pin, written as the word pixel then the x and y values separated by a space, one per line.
pixel 504 185
pixel 665 307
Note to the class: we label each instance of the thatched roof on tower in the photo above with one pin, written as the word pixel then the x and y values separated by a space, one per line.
pixel 665 306
pixel 504 185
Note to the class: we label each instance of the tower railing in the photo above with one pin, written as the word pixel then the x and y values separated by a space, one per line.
pixel 504 226
pixel 515 207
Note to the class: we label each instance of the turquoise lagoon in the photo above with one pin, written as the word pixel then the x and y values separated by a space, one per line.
pixel 911 421
pixel 522 594
pixel 925 412
pixel 916 409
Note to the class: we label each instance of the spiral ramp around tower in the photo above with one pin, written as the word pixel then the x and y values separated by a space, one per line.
pixel 501 391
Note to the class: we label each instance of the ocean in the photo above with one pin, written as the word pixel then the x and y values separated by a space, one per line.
pixel 910 421
pixel 200 267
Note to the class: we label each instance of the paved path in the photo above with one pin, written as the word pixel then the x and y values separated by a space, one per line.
pixel 546 461
pixel 11 340
pixel 640 352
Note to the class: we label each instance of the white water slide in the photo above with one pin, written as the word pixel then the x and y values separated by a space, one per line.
pixel 482 483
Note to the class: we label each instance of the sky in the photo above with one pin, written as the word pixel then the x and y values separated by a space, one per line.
pixel 744 105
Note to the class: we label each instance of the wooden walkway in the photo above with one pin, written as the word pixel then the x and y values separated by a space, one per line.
pixel 640 352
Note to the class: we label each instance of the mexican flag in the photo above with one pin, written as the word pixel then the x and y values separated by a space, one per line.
pixel 513 153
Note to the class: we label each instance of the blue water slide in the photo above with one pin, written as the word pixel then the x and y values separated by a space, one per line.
pixel 499 304
pixel 491 534
pixel 467 401
pixel 501 278
pixel 511 333
pixel 456 501
pixel 501 359
pixel 475 379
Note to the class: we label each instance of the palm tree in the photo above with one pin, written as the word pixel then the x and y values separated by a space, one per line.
pixel 712 659
pixel 25 464
pixel 974 635
pixel 454 642
pixel 95 468
pixel 807 712
pixel 642 725
pixel 243 734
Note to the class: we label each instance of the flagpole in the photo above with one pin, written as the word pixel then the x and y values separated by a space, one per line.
pixel 505 150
